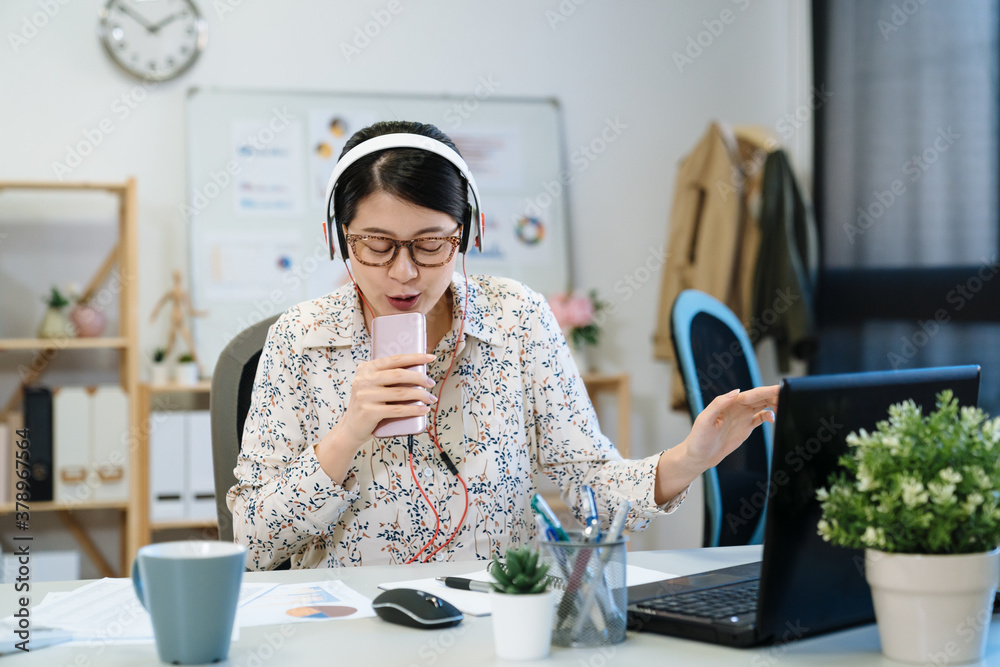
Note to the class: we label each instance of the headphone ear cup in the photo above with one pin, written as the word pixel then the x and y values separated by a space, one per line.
pixel 466 229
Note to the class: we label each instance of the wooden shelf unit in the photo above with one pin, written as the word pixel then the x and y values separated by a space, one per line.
pixel 41 344
pixel 147 394
pixel 123 255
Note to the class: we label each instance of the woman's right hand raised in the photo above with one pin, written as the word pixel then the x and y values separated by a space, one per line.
pixel 386 388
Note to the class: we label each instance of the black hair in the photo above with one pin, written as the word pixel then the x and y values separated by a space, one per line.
pixel 410 174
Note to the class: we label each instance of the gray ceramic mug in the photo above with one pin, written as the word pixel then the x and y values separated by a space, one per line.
pixel 191 590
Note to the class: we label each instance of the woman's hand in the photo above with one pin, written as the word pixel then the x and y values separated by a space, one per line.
pixel 720 428
pixel 383 388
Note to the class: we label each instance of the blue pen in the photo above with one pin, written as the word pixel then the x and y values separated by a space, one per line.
pixel 542 509
pixel 613 535
pixel 544 529
pixel 592 524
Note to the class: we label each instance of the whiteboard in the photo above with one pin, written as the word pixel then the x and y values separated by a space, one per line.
pixel 258 165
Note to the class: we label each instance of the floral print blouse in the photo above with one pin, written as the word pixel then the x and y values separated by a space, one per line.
pixel 513 409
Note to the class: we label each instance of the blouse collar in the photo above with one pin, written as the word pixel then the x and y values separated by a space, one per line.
pixel 336 320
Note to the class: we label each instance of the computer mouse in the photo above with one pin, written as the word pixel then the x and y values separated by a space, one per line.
pixel 416 609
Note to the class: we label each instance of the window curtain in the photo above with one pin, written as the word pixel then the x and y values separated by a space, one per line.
pixel 907 179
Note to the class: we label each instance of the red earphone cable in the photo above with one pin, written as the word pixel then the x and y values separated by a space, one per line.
pixel 437 519
pixel 433 430
pixel 361 294
pixel 434 438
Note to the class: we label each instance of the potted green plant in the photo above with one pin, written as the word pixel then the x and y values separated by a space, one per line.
pixel 921 495
pixel 522 605
pixel 54 323
pixel 159 370
pixel 186 370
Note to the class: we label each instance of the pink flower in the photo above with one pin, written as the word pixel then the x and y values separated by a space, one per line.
pixel 571 311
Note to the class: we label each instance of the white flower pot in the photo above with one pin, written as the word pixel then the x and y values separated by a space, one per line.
pixel 159 373
pixel 186 373
pixel 522 625
pixel 933 609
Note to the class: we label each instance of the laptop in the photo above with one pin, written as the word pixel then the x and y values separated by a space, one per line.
pixel 803 586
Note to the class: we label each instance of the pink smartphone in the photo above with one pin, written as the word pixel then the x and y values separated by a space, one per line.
pixel 405 333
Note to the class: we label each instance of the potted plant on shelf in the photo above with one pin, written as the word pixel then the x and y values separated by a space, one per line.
pixel 54 322
pixel 522 605
pixel 921 495
pixel 186 370
pixel 88 321
pixel 580 319
pixel 159 372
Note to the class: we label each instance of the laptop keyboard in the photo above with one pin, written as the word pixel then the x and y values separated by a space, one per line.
pixel 721 602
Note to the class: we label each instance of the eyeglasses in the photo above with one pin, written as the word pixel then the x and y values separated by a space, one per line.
pixel 427 251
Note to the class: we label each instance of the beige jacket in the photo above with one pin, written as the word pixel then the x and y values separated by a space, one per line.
pixel 714 237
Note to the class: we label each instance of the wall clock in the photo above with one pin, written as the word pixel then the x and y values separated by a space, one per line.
pixel 153 40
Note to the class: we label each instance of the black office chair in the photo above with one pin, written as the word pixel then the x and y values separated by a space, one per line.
pixel 715 356
pixel 232 388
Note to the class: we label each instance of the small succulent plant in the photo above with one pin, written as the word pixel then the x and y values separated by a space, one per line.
pixel 520 573
pixel 55 299
pixel 159 355
pixel 186 358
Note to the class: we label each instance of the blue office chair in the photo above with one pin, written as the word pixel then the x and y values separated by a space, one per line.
pixel 715 356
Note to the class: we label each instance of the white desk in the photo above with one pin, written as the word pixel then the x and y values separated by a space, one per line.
pixel 370 641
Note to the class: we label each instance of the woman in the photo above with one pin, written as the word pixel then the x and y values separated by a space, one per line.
pixel 503 399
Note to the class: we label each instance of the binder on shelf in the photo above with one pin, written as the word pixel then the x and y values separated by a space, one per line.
pixel 71 437
pixel 7 439
pixel 109 444
pixel 199 492
pixel 167 453
pixel 38 423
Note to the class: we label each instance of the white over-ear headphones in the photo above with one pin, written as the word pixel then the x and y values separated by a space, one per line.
pixel 474 223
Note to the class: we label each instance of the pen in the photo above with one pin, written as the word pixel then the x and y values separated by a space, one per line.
pixel 466 584
pixel 613 535
pixel 618 523
pixel 542 508
pixel 592 524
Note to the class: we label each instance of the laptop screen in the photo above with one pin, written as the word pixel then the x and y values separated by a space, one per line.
pixel 807 585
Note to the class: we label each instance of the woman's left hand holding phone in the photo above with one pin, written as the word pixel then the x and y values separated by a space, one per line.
pixel 382 389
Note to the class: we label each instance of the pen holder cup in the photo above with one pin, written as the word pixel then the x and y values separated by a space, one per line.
pixel 591 603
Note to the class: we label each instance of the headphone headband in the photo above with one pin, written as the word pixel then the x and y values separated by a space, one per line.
pixel 473 225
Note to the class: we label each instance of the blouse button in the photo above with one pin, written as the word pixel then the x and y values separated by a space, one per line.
pixel 428 473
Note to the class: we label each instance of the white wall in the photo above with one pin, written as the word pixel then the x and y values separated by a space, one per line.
pixel 603 60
